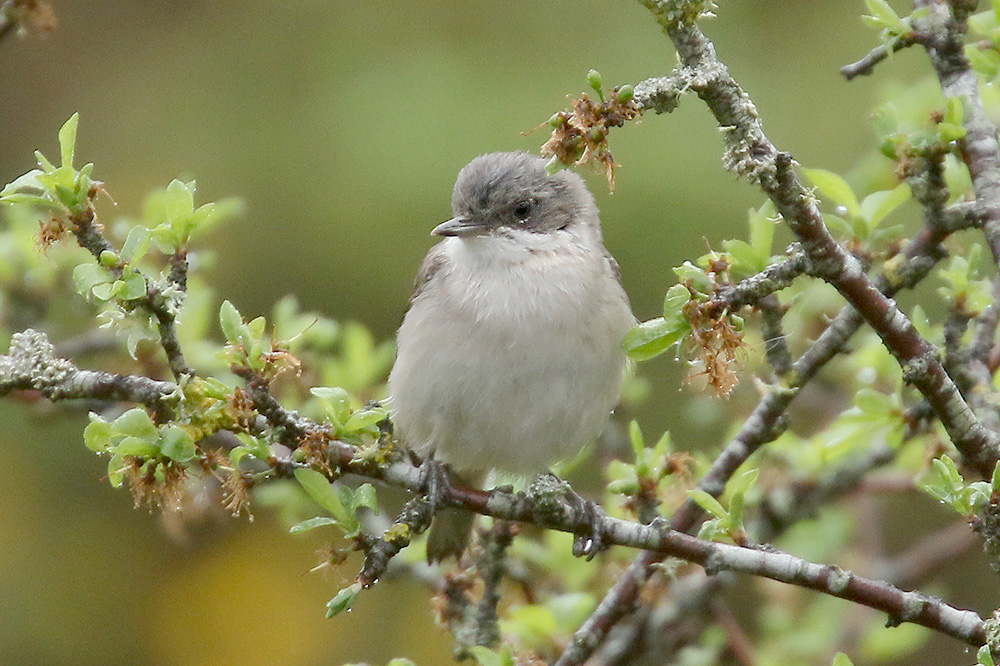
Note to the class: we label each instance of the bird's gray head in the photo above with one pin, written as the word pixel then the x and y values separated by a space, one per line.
pixel 503 193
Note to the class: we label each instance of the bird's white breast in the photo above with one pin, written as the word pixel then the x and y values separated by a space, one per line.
pixel 510 357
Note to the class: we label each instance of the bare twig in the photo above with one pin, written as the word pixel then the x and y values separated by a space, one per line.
pixel 867 64
pixel 774 278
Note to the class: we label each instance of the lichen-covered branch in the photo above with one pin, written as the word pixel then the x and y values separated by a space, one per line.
pixel 751 154
pixel 31 364
pixel 774 278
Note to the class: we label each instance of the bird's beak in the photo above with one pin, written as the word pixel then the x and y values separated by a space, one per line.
pixel 460 226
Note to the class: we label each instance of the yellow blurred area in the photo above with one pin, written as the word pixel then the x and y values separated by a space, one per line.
pixel 342 124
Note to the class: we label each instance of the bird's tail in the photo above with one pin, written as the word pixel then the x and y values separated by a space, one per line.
pixel 452 528
pixel 449 535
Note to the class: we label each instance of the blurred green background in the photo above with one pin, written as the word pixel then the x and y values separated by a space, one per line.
pixel 342 125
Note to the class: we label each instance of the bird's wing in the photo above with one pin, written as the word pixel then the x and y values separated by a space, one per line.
pixel 613 265
pixel 433 264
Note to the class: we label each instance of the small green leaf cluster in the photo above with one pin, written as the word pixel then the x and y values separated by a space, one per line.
pixel 747 258
pixel 133 434
pixel 340 501
pixel 859 220
pixel 246 346
pixel 99 281
pixel 876 418
pixel 63 188
pixel 944 483
pixel 349 425
pixel 964 291
pixel 651 338
pixel 172 219
pixel 726 523
pixel 891 26
pixel 984 53
pixel 907 137
pixel 649 469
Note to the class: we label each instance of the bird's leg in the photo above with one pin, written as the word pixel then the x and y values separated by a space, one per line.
pixel 553 499
pixel 435 479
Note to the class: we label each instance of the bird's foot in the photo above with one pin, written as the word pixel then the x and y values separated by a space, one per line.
pixel 553 500
pixel 435 479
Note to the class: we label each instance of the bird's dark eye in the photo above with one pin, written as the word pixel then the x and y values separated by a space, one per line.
pixel 522 210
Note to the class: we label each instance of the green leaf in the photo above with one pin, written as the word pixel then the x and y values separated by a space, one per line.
pixel 674 302
pixel 485 656
pixel 984 657
pixel 874 404
pixel 949 132
pixel 318 487
pixel 636 439
pixel 133 286
pixel 237 454
pixel 136 244
pixel 47 166
pixel 954 111
pixel 834 188
pixel 365 496
pixel 878 205
pixel 708 503
pixel 337 400
pixel 232 324
pixel 136 423
pixel 67 139
pixel 886 16
pixel 116 470
pixel 688 272
pixel 179 202
pixel 365 418
pixel 87 276
pixel 762 226
pixel 741 484
pixel 98 434
pixel 177 444
pixel 311 524
pixel 134 446
pixel 842 660
pixel 103 291
pixel 343 601
pixel 651 338
pixel 29 199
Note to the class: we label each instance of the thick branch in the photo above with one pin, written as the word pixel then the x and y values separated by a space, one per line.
pixel 31 364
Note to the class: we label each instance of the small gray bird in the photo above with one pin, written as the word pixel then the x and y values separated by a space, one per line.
pixel 510 355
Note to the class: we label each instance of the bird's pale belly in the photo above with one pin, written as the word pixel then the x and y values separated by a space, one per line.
pixel 543 390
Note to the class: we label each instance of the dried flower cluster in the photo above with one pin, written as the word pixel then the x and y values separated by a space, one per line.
pixel 580 134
